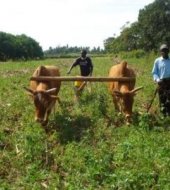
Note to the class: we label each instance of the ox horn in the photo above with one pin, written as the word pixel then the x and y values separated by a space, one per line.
pixel 29 90
pixel 52 90
pixel 136 89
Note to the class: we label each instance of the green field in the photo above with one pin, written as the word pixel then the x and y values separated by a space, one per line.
pixel 87 146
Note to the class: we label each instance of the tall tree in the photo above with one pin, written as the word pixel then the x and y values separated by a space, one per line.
pixel 151 30
pixel 17 47
pixel 153 22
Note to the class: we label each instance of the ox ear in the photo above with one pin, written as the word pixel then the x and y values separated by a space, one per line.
pixel 136 89
pixel 117 93
pixel 31 92
pixel 50 91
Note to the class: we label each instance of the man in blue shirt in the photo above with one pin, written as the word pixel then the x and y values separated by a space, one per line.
pixel 161 75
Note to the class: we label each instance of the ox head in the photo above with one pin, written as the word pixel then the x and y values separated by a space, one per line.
pixel 43 101
pixel 126 101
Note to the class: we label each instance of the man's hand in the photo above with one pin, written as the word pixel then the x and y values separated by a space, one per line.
pixel 160 82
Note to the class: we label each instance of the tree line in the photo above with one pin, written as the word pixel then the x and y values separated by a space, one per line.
pixel 60 51
pixel 18 47
pixel 151 30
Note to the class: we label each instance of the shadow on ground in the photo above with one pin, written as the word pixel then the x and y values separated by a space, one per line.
pixel 69 125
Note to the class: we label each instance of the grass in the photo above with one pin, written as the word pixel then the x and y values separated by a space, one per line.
pixel 88 146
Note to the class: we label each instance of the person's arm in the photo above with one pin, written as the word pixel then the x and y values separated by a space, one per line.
pixel 155 72
pixel 69 71
pixel 73 65
pixel 91 67
pixel 91 72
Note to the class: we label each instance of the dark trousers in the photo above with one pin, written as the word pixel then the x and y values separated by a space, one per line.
pixel 164 97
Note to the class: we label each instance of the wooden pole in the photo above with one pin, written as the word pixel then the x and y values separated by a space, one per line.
pixel 156 91
pixel 92 79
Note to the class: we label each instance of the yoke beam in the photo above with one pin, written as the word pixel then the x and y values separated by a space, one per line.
pixel 91 79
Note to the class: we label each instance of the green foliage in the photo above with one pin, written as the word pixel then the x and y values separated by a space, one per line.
pixel 68 52
pixel 133 54
pixel 153 22
pixel 86 145
pixel 151 30
pixel 18 47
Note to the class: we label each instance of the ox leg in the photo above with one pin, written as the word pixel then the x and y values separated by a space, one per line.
pixel 89 87
pixel 128 120
pixel 44 123
pixel 115 102
pixel 58 100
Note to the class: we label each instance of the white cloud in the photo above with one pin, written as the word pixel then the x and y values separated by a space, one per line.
pixel 72 22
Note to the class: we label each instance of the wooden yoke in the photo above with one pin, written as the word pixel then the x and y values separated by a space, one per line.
pixel 91 79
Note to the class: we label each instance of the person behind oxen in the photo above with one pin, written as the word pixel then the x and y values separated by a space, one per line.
pixel 161 75
pixel 86 69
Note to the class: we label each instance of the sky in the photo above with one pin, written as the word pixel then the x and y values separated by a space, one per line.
pixel 82 23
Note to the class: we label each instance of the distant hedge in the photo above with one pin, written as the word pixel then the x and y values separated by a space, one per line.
pixel 18 47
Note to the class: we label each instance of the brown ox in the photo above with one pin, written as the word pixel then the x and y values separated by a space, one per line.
pixel 44 93
pixel 123 92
